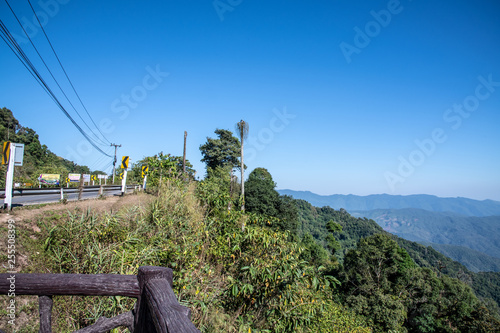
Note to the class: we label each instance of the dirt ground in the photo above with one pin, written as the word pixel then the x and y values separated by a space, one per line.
pixel 25 217
pixel 110 204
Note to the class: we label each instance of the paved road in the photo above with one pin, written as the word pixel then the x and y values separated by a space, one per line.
pixel 56 196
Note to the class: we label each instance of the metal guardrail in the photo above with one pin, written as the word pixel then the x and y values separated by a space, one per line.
pixel 19 192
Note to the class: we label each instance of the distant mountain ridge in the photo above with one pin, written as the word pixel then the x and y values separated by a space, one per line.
pixel 474 260
pixel 459 205
pixel 478 233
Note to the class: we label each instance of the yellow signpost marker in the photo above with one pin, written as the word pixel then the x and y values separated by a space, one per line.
pixel 125 160
pixel 6 152
pixel 124 166
pixel 145 170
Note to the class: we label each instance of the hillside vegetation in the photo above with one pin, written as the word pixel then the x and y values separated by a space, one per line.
pixel 38 158
pixel 478 233
pixel 254 278
pixel 474 260
pixel 280 266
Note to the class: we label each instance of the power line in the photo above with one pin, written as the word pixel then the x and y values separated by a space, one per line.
pixel 52 75
pixel 71 83
pixel 14 46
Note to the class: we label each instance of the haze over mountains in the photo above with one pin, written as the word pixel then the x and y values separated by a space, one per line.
pixel 463 206
pixel 465 230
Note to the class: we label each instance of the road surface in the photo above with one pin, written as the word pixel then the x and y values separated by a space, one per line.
pixel 34 199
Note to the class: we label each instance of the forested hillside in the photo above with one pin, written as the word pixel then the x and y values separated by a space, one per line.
pixel 38 158
pixel 279 265
pixel 474 260
pixel 314 222
pixel 477 233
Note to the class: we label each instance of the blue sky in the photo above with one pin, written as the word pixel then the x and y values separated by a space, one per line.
pixel 365 97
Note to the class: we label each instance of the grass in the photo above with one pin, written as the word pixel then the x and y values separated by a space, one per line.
pixel 207 252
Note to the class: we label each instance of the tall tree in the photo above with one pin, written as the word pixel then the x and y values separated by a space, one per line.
pixel 262 198
pixel 242 129
pixel 221 152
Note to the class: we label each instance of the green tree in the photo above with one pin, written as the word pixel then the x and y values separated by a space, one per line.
pixel 221 152
pixel 371 272
pixel 262 198
pixel 161 166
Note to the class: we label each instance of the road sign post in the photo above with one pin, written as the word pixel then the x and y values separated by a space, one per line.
pixel 124 182
pixel 124 165
pixel 145 169
pixel 8 158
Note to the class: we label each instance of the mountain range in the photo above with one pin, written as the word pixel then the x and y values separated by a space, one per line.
pixel 463 206
pixel 465 230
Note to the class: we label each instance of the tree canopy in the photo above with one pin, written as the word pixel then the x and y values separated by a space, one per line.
pixel 37 157
pixel 221 152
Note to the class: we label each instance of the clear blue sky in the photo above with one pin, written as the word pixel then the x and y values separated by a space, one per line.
pixel 348 97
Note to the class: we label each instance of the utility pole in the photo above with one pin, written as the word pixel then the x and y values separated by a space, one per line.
pixel 114 161
pixel 184 158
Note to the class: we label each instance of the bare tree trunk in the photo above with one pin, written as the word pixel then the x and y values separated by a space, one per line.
pixel 230 191
pixel 242 177
pixel 184 157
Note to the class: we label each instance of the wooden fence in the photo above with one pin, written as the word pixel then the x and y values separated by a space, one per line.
pixel 156 310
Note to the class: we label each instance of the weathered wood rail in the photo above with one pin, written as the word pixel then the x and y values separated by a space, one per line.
pixel 156 310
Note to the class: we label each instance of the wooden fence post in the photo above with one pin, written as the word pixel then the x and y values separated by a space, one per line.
pixel 45 309
pixel 143 320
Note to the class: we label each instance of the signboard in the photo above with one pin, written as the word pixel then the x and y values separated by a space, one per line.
pixel 49 179
pixel 74 177
pixel 86 178
pixel 102 176
pixel 145 170
pixel 125 160
pixel 19 154
pixel 6 152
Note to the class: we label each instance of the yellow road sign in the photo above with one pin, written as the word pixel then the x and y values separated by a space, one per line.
pixel 121 175
pixel 93 177
pixel 67 180
pixel 6 152
pixel 145 170
pixel 125 162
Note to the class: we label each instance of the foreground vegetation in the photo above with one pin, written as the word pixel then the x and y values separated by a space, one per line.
pixel 280 266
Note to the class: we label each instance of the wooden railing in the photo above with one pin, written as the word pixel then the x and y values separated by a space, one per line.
pixel 156 310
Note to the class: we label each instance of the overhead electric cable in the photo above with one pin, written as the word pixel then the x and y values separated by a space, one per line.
pixel 13 45
pixel 65 73
pixel 99 140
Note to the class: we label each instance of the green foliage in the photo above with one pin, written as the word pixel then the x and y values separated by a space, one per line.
pixel 314 252
pixel 233 280
pixel 477 233
pixel 37 157
pixel 382 283
pixel 221 152
pixel 162 167
pixel 262 198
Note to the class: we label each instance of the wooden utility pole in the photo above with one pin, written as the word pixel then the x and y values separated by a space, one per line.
pixel 184 157
pixel 80 187
pixel 114 161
